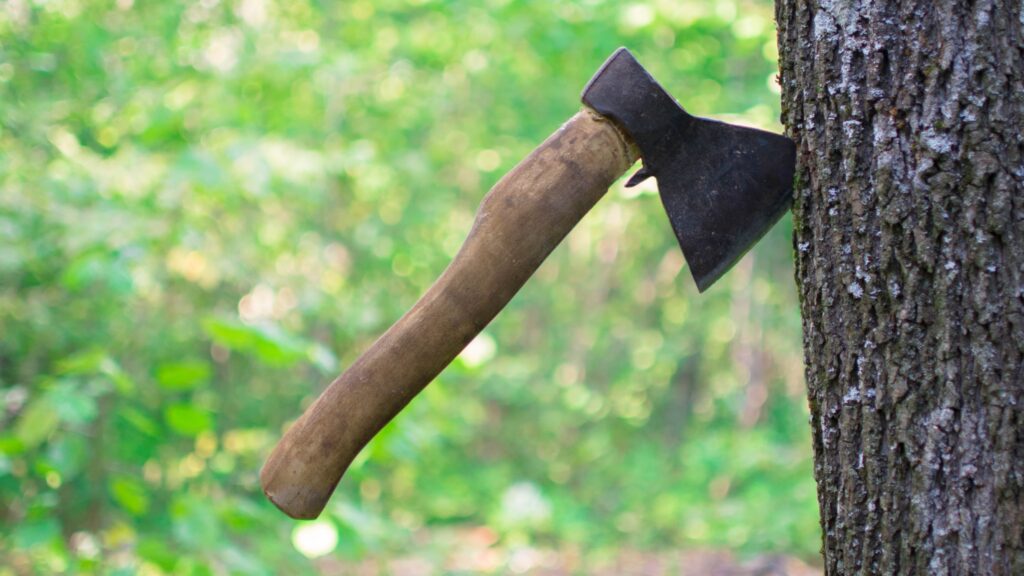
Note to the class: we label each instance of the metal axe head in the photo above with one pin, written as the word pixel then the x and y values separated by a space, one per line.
pixel 723 186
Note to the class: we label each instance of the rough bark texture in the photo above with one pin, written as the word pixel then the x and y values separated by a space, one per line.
pixel 910 265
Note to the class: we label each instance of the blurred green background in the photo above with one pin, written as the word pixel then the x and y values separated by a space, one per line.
pixel 208 209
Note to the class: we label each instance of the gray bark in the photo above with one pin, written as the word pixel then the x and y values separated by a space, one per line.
pixel 909 218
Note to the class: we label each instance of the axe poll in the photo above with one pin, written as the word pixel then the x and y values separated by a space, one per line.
pixel 723 187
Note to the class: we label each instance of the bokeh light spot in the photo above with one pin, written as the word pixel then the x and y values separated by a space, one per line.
pixel 315 539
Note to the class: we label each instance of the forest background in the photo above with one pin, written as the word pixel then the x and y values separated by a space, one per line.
pixel 208 209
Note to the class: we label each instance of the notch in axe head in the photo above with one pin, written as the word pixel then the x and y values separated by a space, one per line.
pixel 723 187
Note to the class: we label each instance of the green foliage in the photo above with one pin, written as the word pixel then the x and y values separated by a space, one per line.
pixel 202 202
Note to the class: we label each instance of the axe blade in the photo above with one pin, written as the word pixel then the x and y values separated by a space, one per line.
pixel 723 186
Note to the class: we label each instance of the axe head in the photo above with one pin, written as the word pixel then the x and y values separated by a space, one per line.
pixel 723 186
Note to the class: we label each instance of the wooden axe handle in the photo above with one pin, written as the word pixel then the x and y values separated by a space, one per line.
pixel 518 224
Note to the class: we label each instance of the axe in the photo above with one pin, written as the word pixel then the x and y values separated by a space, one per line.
pixel 723 187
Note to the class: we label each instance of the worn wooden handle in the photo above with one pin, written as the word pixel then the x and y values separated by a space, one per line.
pixel 518 224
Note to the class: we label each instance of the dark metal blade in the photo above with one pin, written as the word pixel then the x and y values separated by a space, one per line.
pixel 723 186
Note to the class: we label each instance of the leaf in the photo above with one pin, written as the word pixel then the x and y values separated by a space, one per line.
pixel 37 422
pixel 182 375
pixel 11 445
pixel 156 551
pixel 97 361
pixel 228 334
pixel 130 494
pixel 187 420
pixel 139 421
pixel 88 361
pixel 73 403
pixel 275 346
pixel 84 270
pixel 124 384
pixel 97 268
pixel 270 343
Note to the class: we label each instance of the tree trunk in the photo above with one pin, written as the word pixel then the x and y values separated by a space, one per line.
pixel 909 219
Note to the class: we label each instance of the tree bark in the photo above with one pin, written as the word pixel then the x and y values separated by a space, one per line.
pixel 909 237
